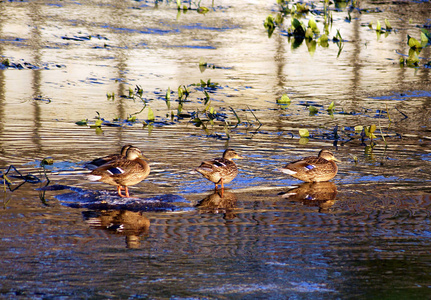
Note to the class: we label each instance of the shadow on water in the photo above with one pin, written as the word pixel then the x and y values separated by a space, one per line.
pixel 108 200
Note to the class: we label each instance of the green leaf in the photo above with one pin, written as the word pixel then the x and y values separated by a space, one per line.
pixel 131 119
pixel 207 97
pixel 278 19
pixel 168 94
pixel 323 40
pixel 338 36
pixel 424 39
pixel 313 110
pixel 180 92
pixel 309 33
pixel 284 99
pixel 150 114
pixel 426 32
pixel 203 10
pixel 369 131
pixel 269 22
pixel 359 128
pixel 202 62
pixel 81 123
pixel 299 27
pixel 312 24
pixel 295 23
pixel 413 43
pixel 378 26
pixel 304 133
pixel 208 106
pixel 98 123
pixel 331 106
pixel 388 25
pixel 413 59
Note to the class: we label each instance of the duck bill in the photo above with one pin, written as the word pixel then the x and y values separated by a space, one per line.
pixel 143 157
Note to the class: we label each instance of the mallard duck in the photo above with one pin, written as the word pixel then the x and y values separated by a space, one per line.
pixel 313 169
pixel 220 170
pixel 123 172
pixel 109 158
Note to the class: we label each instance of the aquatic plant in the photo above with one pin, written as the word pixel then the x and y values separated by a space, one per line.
pixel 28 178
pixel 313 26
pixel 284 101
pixel 83 122
pixel 312 110
pixel 413 58
pixel 304 133
pixel 110 96
pixel 388 25
pixel 378 26
pixel 269 25
pixel 150 114
pixel 413 43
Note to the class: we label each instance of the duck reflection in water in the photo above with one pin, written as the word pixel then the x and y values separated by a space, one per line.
pixel 132 225
pixel 321 194
pixel 216 203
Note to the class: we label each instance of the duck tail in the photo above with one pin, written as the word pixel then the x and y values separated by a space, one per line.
pixel 92 177
pixel 287 171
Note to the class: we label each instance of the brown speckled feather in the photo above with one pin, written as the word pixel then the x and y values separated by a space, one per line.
pixel 134 171
pixel 218 168
pixel 109 158
pixel 313 169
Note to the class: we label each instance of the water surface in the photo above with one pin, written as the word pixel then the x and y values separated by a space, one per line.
pixel 366 234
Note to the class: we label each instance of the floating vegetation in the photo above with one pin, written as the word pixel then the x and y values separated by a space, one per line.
pixel 184 8
pixel 416 47
pixel 269 25
pixel 312 110
pixel 203 65
pixel 42 99
pixel 203 114
pixel 13 173
pixel 284 101
pixel 6 63
pixel 304 133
